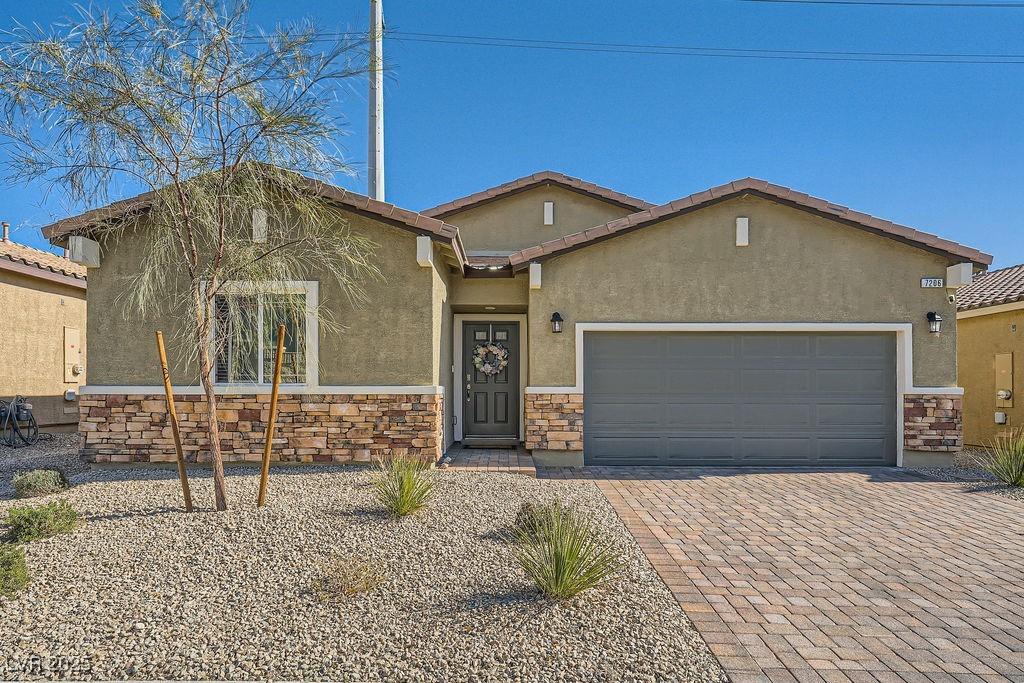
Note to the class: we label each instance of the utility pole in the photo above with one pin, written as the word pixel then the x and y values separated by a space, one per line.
pixel 375 158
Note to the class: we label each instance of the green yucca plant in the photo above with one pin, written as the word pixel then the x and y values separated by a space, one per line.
pixel 403 486
pixel 564 553
pixel 1005 457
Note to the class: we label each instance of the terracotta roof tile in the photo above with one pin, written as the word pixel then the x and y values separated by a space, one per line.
pixel 43 260
pixel 768 191
pixel 991 288
pixel 533 180
pixel 397 216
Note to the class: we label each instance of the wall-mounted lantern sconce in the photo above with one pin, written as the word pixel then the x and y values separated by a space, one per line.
pixel 934 322
pixel 556 322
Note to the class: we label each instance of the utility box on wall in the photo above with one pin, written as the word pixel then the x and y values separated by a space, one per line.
pixel 73 368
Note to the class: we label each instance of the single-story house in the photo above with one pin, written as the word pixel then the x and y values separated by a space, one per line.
pixel 990 351
pixel 42 334
pixel 746 324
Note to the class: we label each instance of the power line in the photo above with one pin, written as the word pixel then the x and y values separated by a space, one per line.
pixel 896 3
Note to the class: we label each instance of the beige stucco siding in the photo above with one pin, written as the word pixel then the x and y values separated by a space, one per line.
pixel 36 312
pixel 798 268
pixel 507 295
pixel 385 341
pixel 443 336
pixel 516 221
pixel 979 339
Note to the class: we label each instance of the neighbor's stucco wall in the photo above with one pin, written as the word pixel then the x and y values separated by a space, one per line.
pixel 979 339
pixel 516 221
pixel 798 268
pixel 385 341
pixel 35 313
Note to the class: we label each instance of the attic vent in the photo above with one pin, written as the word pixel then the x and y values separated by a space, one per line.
pixel 259 225
pixel 549 213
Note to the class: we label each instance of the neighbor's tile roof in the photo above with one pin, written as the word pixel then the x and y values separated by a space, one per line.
pixel 992 288
pixel 535 180
pixel 43 260
pixel 751 186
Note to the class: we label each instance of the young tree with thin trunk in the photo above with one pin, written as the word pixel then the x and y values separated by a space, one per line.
pixel 229 131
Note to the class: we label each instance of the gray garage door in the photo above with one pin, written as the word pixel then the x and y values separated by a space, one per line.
pixel 783 399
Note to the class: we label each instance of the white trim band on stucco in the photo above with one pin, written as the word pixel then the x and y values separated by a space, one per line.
pixel 253 390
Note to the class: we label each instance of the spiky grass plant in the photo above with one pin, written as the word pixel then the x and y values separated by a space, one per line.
pixel 13 570
pixel 564 553
pixel 346 577
pixel 531 520
pixel 403 485
pixel 38 483
pixel 26 524
pixel 1004 458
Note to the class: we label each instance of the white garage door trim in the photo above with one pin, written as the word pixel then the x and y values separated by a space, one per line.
pixel 904 353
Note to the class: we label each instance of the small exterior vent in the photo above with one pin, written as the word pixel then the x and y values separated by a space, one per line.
pixel 549 213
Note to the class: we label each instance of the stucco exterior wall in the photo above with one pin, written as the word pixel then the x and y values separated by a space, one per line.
pixel 979 339
pixel 516 221
pixel 507 295
pixel 384 341
pixel 798 268
pixel 32 337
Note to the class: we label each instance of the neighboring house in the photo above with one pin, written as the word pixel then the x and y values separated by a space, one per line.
pixel 748 324
pixel 990 351
pixel 42 332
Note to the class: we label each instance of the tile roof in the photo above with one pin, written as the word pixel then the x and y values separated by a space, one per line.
pixel 43 260
pixel 760 188
pixel 534 180
pixel 394 215
pixel 992 288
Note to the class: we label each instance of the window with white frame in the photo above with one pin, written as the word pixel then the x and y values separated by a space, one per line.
pixel 245 337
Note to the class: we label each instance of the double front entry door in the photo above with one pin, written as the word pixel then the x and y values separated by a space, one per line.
pixel 490 378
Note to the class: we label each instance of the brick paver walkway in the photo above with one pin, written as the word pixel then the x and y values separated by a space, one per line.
pixel 514 460
pixel 870 575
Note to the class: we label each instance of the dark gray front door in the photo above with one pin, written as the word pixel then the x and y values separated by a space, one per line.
pixel 766 399
pixel 490 407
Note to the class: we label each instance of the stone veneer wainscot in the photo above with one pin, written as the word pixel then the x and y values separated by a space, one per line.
pixel 554 422
pixel 123 428
pixel 933 422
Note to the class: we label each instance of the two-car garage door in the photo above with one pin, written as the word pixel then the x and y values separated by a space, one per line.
pixel 727 399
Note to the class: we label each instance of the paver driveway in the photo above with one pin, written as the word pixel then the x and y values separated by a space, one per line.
pixel 872 575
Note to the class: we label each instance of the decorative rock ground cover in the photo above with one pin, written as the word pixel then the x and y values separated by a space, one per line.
pixel 966 471
pixel 141 590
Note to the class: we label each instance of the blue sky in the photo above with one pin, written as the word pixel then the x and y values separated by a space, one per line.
pixel 936 146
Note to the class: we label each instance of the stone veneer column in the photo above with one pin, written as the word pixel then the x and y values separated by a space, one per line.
pixel 327 428
pixel 554 422
pixel 933 422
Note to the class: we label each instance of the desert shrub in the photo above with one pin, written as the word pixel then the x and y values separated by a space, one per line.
pixel 33 523
pixel 1005 458
pixel 566 553
pixel 403 486
pixel 348 577
pixel 13 571
pixel 39 483
pixel 532 518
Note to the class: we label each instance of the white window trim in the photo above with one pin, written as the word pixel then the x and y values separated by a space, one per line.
pixel 312 334
pixel 457 370
pixel 904 353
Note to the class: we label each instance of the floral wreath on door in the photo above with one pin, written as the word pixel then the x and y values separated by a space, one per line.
pixel 490 358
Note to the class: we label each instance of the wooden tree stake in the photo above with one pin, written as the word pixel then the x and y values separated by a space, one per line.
pixel 265 472
pixel 172 415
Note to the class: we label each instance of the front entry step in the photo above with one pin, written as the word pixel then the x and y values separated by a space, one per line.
pixel 490 441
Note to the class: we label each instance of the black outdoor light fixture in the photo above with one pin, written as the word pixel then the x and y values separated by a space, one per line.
pixel 934 322
pixel 556 322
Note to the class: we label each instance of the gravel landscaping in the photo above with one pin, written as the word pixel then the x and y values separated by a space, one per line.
pixel 52 451
pixel 141 590
pixel 973 478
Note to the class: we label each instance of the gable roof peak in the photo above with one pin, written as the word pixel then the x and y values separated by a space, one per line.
pixel 533 180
